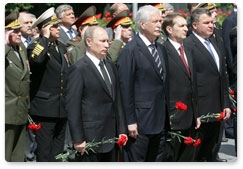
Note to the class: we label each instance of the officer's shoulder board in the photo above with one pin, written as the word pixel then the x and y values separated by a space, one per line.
pixel 37 50
pixel 76 39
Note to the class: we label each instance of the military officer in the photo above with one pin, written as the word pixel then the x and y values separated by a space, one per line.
pixel 48 65
pixel 16 90
pixel 121 26
pixel 162 38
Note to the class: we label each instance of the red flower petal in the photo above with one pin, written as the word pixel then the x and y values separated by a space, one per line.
pixel 37 127
pixel 181 106
pixel 232 92
pixel 122 140
pixel 197 142
pixel 188 140
pixel 31 126
pixel 221 116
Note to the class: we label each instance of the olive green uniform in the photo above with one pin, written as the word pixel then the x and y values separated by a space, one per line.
pixel 16 102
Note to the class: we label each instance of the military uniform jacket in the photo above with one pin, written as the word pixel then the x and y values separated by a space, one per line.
pixel 48 67
pixel 16 86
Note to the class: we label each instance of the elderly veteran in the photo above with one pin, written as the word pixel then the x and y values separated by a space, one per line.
pixel 16 90
pixel 121 26
pixel 48 66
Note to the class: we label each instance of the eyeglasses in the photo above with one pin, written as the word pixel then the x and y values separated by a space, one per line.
pixel 125 26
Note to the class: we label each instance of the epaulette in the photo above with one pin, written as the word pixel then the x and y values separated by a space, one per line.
pixel 70 48
pixel 76 39
pixel 110 42
pixel 37 50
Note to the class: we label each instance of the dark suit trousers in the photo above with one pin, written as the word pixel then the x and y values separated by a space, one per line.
pixel 209 134
pixel 50 138
pixel 177 151
pixel 145 148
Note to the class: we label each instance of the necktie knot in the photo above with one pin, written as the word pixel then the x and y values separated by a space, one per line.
pixel 70 32
pixel 207 42
pixel 101 64
pixel 28 40
pixel 152 46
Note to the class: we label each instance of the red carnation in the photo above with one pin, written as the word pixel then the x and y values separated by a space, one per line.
pixel 122 140
pixel 33 126
pixel 188 140
pixel 197 142
pixel 181 106
pixel 232 92
pixel 221 116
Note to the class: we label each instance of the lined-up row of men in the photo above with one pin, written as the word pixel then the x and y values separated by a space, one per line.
pixel 68 84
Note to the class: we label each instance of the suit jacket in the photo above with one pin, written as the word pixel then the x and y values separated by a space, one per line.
pixel 17 80
pixel 64 38
pixel 184 92
pixel 211 83
pixel 48 68
pixel 145 94
pixel 229 23
pixel 93 114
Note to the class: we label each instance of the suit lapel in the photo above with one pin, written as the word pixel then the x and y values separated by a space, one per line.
pixel 204 51
pixel 112 76
pixel 145 51
pixel 174 55
pixel 14 59
pixel 97 73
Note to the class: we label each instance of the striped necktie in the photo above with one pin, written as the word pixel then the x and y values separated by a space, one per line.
pixel 156 58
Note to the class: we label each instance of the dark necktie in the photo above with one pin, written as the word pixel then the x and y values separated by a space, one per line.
pixel 181 49
pixel 105 76
pixel 70 33
pixel 207 42
pixel 156 59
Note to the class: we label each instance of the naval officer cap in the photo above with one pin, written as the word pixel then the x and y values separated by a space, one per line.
pixel 47 18
pixel 11 21
pixel 87 17
pixel 207 6
pixel 122 19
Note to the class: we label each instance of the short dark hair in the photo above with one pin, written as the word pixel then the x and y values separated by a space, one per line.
pixel 168 21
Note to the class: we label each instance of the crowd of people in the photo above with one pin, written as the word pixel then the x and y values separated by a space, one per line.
pixel 164 87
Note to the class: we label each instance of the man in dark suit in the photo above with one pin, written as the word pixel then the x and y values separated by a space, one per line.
pixel 182 71
pixel 17 78
pixel 145 89
pixel 48 67
pixel 230 25
pixel 211 80
pixel 66 14
pixel 93 101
